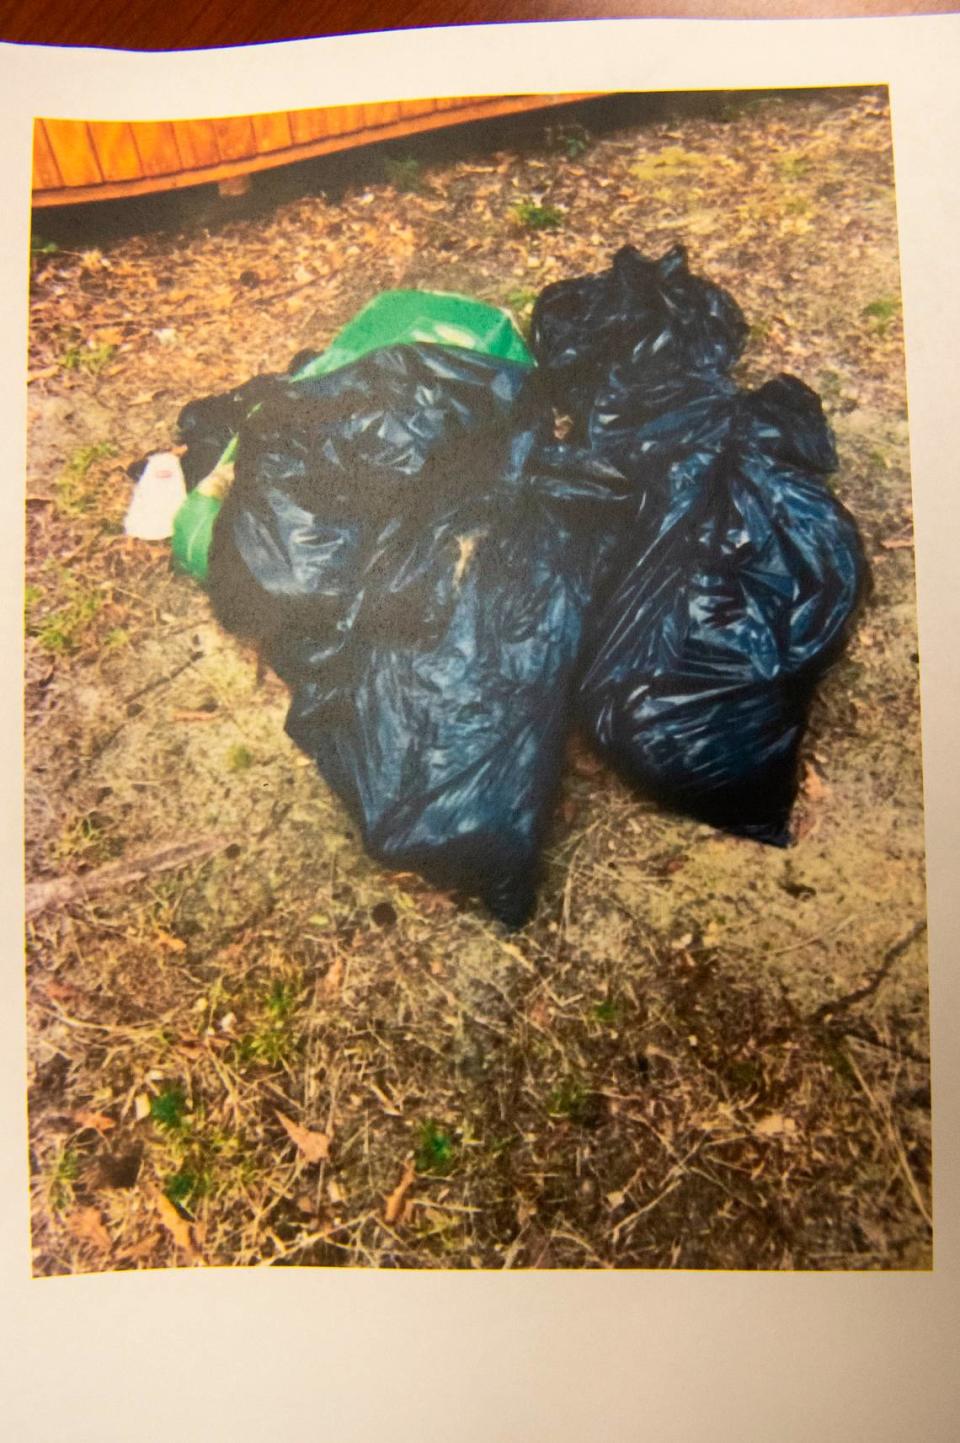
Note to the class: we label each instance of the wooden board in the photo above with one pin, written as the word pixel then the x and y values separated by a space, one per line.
pixel 75 160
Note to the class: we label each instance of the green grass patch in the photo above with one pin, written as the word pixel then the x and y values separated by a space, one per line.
pixel 63 1175
pixel 530 215
pixel 281 1000
pixel 89 840
pixel 61 630
pixel 186 1185
pixel 33 595
pixel 270 1041
pixel 77 486
pixel 41 250
pixel 520 299
pixel 435 1151
pixel 266 1045
pixel 520 302
pixel 760 329
pixel 404 173
pixel 239 758
pixel 88 357
pixel 881 312
pixel 167 1109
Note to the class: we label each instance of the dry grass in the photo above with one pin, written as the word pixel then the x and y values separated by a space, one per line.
pixel 700 1053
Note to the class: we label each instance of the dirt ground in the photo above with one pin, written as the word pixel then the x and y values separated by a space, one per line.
pixel 262 1049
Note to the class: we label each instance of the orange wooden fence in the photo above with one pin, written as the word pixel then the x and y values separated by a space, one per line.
pixel 79 160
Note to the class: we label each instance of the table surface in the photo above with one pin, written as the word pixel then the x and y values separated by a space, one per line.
pixel 145 25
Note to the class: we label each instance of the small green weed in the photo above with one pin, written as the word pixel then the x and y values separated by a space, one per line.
pixel 881 312
pixel 575 1102
pixel 270 1045
pixel 520 299
pixel 185 1186
pixel 202 1158
pixel 75 494
pixel 61 631
pixel 63 1175
pixel 520 302
pixel 40 250
pixel 571 140
pixel 271 1040
pixel 403 172
pixel 87 839
pixel 239 758
pixel 89 358
pixel 167 1109
pixel 608 1011
pixel 532 216
pixel 32 597
pixel 281 1000
pixel 435 1150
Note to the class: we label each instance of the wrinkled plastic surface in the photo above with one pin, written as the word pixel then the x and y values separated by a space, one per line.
pixel 617 348
pixel 445 586
pixel 703 662
pixel 193 532
pixel 421 317
pixel 416 555
pixel 741 575
pixel 209 427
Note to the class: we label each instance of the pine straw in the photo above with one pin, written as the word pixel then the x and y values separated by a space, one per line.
pixel 662 1109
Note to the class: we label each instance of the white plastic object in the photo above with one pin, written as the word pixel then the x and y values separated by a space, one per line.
pixel 157 497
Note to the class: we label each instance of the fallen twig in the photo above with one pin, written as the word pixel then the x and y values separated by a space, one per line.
pixel 63 891
pixel 842 1004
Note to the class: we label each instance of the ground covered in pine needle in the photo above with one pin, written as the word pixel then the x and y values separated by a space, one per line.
pixel 250 1045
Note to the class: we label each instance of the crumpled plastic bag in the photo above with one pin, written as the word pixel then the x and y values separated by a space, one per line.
pixel 702 664
pixel 740 578
pixel 416 556
pixel 626 342
pixel 445 586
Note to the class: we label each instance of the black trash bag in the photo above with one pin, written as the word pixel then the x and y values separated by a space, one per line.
pixel 207 426
pixel 646 327
pixel 337 479
pixel 416 555
pixel 703 661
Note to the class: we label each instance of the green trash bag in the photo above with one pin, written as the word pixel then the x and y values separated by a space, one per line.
pixel 193 532
pixel 391 319
pixel 396 318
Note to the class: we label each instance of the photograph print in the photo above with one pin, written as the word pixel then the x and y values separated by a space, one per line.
pixel 473 779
